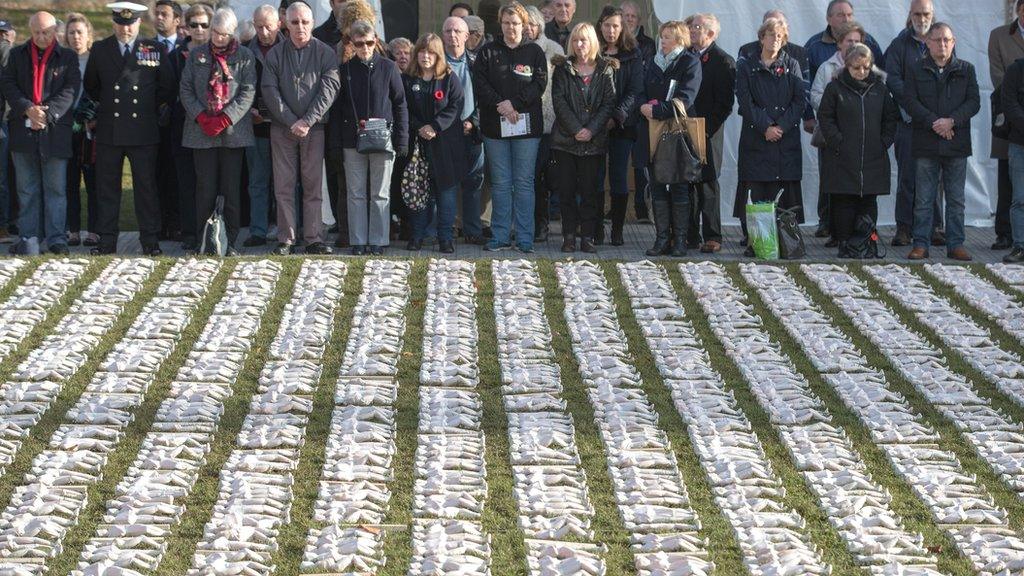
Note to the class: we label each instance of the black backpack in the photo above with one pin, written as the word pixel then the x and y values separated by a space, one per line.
pixel 863 243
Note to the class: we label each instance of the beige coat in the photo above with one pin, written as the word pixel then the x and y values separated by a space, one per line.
pixel 1005 45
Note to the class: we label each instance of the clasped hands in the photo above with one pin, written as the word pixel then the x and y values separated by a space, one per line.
pixel 944 127
pixel 37 115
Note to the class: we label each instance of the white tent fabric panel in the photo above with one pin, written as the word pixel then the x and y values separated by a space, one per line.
pixel 883 19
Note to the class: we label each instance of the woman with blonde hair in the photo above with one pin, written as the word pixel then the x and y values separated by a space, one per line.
pixel 434 97
pixel 772 96
pixel 673 73
pixel 583 95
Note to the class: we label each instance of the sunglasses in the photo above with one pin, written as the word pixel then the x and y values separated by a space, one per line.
pixel 363 43
pixel 203 25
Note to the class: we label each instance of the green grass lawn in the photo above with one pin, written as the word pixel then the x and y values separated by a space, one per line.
pixel 499 519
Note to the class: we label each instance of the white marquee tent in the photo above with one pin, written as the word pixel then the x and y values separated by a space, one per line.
pixel 972 21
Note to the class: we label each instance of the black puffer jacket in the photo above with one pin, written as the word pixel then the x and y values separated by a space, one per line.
pixel 1012 90
pixel 576 109
pixel 629 89
pixel 929 96
pixel 859 125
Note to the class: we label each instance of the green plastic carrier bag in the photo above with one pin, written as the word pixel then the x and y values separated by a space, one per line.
pixel 762 233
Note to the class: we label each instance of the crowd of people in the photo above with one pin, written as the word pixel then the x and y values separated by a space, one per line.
pixel 256 115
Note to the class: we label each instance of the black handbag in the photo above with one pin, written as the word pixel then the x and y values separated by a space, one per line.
pixel 677 160
pixel 1000 126
pixel 791 240
pixel 863 243
pixel 373 135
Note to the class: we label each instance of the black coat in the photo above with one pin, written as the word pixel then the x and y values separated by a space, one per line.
pixel 903 52
pixel 446 153
pixel 685 70
pixel 327 32
pixel 859 126
pixel 261 130
pixel 386 95
pixel 60 87
pixel 752 50
pixel 576 109
pixel 773 96
pixel 140 90
pixel 519 75
pixel 647 46
pixel 629 91
pixel 929 96
pixel 715 99
pixel 1013 100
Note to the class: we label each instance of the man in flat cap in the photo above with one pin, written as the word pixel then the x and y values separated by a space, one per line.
pixel 131 80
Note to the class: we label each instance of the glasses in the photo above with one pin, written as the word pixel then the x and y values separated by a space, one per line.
pixel 203 25
pixel 696 27
pixel 364 43
pixel 298 22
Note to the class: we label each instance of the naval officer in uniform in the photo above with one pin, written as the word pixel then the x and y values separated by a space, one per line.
pixel 131 81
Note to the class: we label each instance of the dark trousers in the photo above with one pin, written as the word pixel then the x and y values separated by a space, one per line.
pixel 577 177
pixel 541 186
pixel 183 162
pixel 824 200
pixel 167 184
pixel 218 173
pixel 109 164
pixel 642 181
pixel 81 166
pixel 1003 200
pixel 846 209
pixel 334 161
pixel 705 213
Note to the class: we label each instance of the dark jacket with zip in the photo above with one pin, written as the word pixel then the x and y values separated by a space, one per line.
pixel 576 109
pixel 519 75
pixel 929 95
pixel 629 90
pixel 1013 100
pixel 859 126
pixel 772 96
pixel 446 152
pixel 381 83
pixel 715 100
pixel 60 86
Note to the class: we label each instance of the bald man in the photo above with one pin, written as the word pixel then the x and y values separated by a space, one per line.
pixel 454 35
pixel 40 83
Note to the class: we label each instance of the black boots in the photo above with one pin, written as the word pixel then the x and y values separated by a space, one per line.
pixel 680 223
pixel 662 226
pixel 618 217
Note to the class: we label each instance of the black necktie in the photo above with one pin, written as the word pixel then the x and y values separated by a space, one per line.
pixel 127 51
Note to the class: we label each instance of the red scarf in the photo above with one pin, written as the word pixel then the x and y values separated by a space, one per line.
pixel 220 77
pixel 39 71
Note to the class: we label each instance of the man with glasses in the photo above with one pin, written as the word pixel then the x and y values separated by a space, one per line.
pixel 299 83
pixel 454 36
pixel 132 82
pixel 940 93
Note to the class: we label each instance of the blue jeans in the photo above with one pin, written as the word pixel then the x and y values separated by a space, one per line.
pixel 42 181
pixel 472 185
pixel 953 174
pixel 906 182
pixel 257 157
pixel 619 150
pixel 444 200
pixel 5 199
pixel 512 163
pixel 1017 202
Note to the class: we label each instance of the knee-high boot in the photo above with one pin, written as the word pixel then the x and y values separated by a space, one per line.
pixel 680 224
pixel 662 227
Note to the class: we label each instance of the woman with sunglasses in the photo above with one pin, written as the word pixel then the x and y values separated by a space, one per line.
pixel 197 20
pixel 217 90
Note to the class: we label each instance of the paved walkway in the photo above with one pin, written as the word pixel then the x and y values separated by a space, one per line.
pixel 638 238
